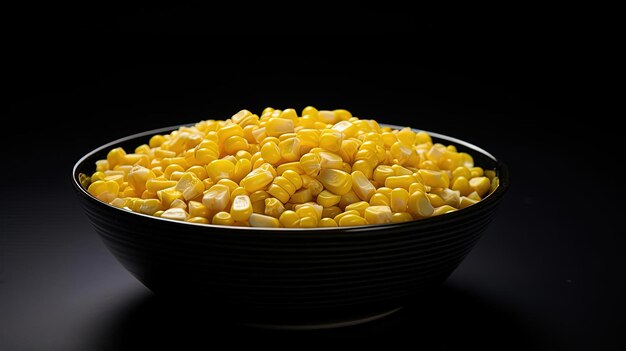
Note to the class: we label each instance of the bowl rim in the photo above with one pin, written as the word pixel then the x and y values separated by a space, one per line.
pixel 501 169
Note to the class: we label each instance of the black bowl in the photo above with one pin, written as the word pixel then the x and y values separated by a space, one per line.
pixel 298 278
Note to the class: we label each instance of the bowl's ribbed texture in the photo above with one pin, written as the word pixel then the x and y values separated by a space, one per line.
pixel 323 269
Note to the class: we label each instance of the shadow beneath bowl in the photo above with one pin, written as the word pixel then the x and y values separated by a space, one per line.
pixel 447 318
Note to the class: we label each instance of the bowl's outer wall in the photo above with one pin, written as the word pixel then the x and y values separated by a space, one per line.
pixel 283 269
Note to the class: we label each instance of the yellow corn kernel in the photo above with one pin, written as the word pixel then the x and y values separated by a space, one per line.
pixel 310 163
pixel 100 176
pixel 290 149
pixel 102 165
pixel 461 172
pixel 293 177
pixel 379 200
pixel 238 191
pixel 277 126
pixel 435 200
pixel 259 220
pixel 382 172
pixel 348 199
pixel 229 131
pixel 279 193
pixel 347 128
pixel 130 192
pixel 199 220
pixel 312 184
pixel 220 169
pixel 190 186
pixel 138 176
pixel 349 148
pixel 468 161
pixel 145 195
pixel 436 152
pixel 495 183
pixel 385 191
pixel 285 184
pixel 229 183
pixel 234 144
pixel 358 206
pixel 406 136
pixel 120 202
pixel 435 179
pixel 400 152
pixel 417 187
pixel 443 209
pixel 150 206
pixel 197 209
pixel 216 198
pixel 399 200
pixel 270 152
pixel 378 214
pixel 466 202
pixel 342 115
pixel 306 210
pixel 301 196
pixel 330 160
pixel 331 212
pixel 362 166
pixel 462 185
pixel 399 170
pixel 242 168
pixel 474 196
pixel 328 199
pixel 490 173
pixel 327 222
pixel 403 181
pixel 167 196
pixel 104 190
pixel 331 140
pixel 480 185
pixel 293 166
pixel 257 180
pixel 422 137
pixel 176 213
pixel 327 117
pixel 178 203
pixel 308 222
pixel 401 217
pixel 199 171
pixel 273 207
pixel 241 208
pixel 289 219
pixel 361 186
pixel 352 220
pixel 450 197
pixel 476 172
pixel 336 181
pixel 115 156
pixel 118 178
pixel 338 217
pixel 419 206
pixel 223 218
pixel 156 140
pixel 429 165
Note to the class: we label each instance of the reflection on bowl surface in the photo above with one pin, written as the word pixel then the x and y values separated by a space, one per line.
pixel 288 276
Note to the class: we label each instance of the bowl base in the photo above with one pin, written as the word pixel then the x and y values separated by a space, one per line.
pixel 324 325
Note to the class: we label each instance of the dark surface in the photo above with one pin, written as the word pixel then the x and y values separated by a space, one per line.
pixel 547 274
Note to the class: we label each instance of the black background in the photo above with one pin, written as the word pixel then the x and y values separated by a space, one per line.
pixel 519 82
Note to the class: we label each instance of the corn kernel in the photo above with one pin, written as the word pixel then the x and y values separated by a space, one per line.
pixel 401 217
pixel 289 219
pixel 378 214
pixel 361 186
pixel 177 214
pixel 466 202
pixel 257 180
pixel 241 208
pixel 259 220
pixel 223 218
pixel 327 222
pixel 216 198
pixel 399 200
pixel 435 179
pixel 403 181
pixel 273 207
pixel 301 196
pixel 328 199
pixel 352 220
pixel 480 185
pixel 379 200
pixel 359 207
pixel 462 185
pixel 443 209
pixel 419 206
pixel 338 182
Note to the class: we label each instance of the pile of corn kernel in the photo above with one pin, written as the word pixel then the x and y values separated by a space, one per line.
pixel 318 169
